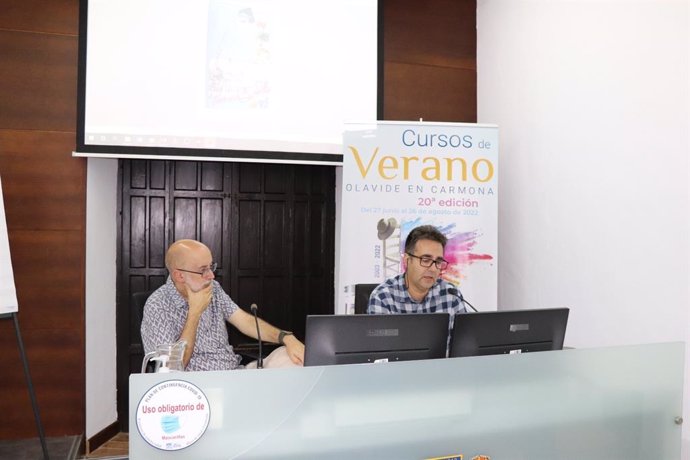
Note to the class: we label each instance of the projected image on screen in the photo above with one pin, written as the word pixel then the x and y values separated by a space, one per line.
pixel 260 75
pixel 239 58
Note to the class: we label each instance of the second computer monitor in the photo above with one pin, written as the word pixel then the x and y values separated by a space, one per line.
pixel 508 331
pixel 350 339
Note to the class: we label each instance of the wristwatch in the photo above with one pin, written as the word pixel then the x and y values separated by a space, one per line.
pixel 281 336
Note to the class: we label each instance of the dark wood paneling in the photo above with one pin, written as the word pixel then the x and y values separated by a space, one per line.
pixel 54 16
pixel 275 179
pixel 430 69
pixel 276 300
pixel 56 361
pixel 211 177
pixel 248 291
pixel 51 316
pixel 44 187
pixel 300 247
pixel 185 175
pixel 157 239
pixel 137 232
pixel 38 87
pixel 249 179
pixel 48 267
pixel 211 224
pixel 185 218
pixel 103 436
pixel 275 230
pixel 446 94
pixel 249 224
pixel 44 194
pixel 437 32
pixel 301 306
pixel 158 175
pixel 138 177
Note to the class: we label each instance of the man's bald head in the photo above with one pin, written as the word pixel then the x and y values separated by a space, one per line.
pixel 180 251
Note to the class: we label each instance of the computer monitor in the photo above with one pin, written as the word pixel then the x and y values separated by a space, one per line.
pixel 508 331
pixel 351 339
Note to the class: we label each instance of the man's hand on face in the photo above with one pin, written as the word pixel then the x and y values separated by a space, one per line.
pixel 199 300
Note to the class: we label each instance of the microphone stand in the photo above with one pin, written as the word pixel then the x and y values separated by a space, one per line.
pixel 462 299
pixel 260 361
pixel 458 294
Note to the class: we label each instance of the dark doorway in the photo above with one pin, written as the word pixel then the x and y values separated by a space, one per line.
pixel 270 227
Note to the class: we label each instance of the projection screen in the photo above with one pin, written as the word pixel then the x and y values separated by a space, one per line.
pixel 259 80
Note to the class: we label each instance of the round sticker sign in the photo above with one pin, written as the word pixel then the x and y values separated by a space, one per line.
pixel 173 415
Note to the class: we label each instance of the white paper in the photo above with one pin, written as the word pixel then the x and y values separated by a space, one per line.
pixel 8 293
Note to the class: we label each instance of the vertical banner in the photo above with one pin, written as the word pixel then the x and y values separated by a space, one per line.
pixel 400 175
pixel 8 294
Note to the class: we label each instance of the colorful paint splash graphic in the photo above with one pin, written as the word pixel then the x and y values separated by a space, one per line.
pixel 460 249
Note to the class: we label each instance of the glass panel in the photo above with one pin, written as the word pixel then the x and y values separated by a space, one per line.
pixel 608 403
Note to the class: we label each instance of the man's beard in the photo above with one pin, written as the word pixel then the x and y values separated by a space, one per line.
pixel 202 287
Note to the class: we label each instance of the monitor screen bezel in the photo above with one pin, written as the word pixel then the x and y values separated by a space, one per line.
pixel 508 332
pixel 362 338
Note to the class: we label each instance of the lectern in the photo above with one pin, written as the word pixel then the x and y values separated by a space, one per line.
pixel 604 403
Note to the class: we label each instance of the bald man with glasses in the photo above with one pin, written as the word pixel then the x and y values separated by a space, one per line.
pixel 420 288
pixel 192 306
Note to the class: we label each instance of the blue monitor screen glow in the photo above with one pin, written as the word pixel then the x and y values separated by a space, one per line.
pixel 351 339
pixel 508 331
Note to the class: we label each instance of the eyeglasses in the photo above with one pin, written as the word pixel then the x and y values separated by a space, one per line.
pixel 426 262
pixel 210 269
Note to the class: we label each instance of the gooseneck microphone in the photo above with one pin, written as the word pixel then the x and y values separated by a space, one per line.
pixel 260 361
pixel 458 294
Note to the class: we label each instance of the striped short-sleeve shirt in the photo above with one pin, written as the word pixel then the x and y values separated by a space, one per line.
pixel 165 314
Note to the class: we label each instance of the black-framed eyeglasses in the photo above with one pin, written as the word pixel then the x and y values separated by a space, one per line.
pixel 211 268
pixel 426 261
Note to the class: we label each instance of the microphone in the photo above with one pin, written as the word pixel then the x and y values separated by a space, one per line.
pixel 458 294
pixel 260 361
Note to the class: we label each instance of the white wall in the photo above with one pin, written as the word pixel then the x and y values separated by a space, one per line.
pixel 591 99
pixel 101 233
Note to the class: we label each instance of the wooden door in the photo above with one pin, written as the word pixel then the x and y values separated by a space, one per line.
pixel 270 228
